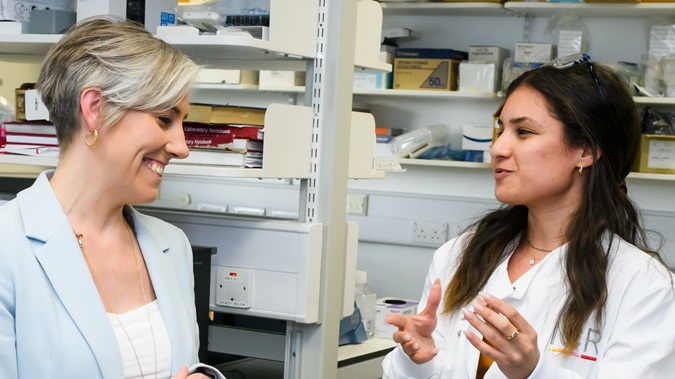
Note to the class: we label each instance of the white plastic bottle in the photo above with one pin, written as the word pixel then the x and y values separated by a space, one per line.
pixel 365 300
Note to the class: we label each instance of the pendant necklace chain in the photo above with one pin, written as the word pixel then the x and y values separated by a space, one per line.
pixel 79 237
pixel 533 260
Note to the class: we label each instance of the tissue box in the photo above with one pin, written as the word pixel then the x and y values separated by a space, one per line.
pixel 390 305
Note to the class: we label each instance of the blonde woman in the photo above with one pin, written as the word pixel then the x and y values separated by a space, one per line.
pixel 89 287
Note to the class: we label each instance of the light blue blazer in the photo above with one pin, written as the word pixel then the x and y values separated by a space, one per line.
pixel 52 321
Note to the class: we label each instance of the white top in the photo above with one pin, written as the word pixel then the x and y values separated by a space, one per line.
pixel 135 337
pixel 635 340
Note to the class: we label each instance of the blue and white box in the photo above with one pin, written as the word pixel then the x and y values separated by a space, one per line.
pixel 477 137
pixel 372 80
pixel 390 305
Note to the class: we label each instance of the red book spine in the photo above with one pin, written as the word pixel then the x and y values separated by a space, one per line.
pixel 251 132
pixel 207 140
pixel 3 141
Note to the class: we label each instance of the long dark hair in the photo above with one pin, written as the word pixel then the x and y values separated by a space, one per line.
pixel 603 117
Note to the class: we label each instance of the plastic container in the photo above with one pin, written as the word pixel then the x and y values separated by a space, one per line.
pixel 408 143
pixel 365 299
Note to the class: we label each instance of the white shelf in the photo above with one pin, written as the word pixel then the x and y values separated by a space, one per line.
pixel 46 162
pixel 294 89
pixel 441 163
pixel 369 37
pixel 650 176
pixel 490 96
pixel 288 131
pixel 426 94
pixel 654 100
pixel 592 10
pixel 27 44
pixel 443 9
pixel 235 52
pixel 475 165
pixel 544 9
pixel 225 87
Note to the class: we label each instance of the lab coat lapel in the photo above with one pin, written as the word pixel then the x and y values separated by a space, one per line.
pixel 162 273
pixel 56 248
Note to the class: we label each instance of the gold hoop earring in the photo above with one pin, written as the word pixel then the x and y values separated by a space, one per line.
pixel 581 168
pixel 88 140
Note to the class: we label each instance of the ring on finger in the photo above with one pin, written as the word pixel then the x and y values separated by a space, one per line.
pixel 512 335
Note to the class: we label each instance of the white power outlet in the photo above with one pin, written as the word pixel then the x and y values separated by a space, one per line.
pixel 357 204
pixel 432 233
pixel 233 287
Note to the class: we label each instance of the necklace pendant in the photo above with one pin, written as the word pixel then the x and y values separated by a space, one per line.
pixel 531 261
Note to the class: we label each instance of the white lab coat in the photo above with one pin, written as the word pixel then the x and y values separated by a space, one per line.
pixel 635 340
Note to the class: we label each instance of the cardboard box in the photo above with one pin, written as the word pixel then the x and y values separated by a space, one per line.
pixel 20 10
pixel 657 154
pixel 275 79
pixel 372 80
pixel 493 54
pixel 221 76
pixel 427 69
pixel 390 305
pixel 29 105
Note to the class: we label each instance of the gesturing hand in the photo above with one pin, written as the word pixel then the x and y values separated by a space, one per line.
pixel 414 331
pixel 513 341
pixel 183 374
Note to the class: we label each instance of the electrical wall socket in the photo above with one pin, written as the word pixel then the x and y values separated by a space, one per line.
pixel 233 287
pixel 431 233
pixel 357 204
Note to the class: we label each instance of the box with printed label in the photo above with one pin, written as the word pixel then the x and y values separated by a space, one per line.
pixel 538 53
pixel 476 137
pixel 657 154
pixel 390 305
pixel 494 54
pixel 427 69
pixel 372 80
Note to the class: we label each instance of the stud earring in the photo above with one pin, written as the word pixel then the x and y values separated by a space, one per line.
pixel 581 168
pixel 89 141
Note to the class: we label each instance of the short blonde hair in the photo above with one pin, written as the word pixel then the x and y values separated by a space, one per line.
pixel 132 69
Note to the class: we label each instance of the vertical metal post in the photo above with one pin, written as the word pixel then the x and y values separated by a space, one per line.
pixel 312 349
pixel 527 21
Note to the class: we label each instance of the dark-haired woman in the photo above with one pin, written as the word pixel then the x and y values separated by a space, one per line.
pixel 559 282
